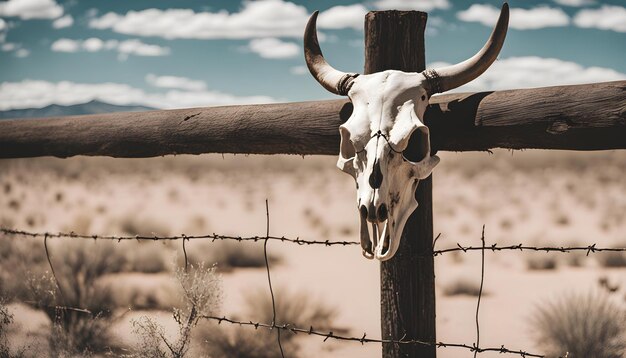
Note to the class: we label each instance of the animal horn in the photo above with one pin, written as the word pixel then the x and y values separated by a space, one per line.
pixel 450 77
pixel 334 81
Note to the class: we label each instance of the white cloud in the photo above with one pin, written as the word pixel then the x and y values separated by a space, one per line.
pixel 65 21
pixel 299 70
pixel 16 48
pixel 256 19
pixel 274 48
pixel 520 19
pixel 31 9
pixel 422 5
pixel 22 52
pixel 530 71
pixel 175 82
pixel 9 46
pixel 93 44
pixel 138 48
pixel 4 27
pixel 91 13
pixel 65 45
pixel 340 17
pixel 574 3
pixel 605 18
pixel 124 48
pixel 35 94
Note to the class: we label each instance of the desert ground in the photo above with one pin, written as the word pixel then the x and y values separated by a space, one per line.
pixel 531 197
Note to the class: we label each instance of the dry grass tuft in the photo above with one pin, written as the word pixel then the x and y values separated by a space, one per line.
pixel 78 266
pixel 581 326
pixel 228 255
pixel 246 343
pixel 463 286
pixel 541 261
pixel 296 309
pixel 612 259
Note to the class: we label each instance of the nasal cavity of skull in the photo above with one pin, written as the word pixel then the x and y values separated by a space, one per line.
pixel 347 150
pixel 376 178
pixel 418 146
pixel 374 215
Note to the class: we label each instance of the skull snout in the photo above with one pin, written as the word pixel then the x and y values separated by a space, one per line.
pixel 373 214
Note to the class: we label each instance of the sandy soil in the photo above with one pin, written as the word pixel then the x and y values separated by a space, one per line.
pixel 526 197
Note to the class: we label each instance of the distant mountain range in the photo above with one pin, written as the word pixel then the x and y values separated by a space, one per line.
pixel 55 110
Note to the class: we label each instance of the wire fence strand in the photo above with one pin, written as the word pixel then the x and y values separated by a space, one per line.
pixel 212 237
pixel 364 339
pixel 475 347
pixel 593 248
pixel 269 277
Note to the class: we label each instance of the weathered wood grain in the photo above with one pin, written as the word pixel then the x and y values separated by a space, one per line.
pixel 582 117
pixel 295 128
pixel 395 40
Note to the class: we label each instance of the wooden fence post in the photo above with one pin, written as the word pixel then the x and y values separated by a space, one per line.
pixel 395 40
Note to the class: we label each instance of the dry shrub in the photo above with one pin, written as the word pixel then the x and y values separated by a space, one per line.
pixel 463 286
pixel 541 261
pixel 295 309
pixel 581 326
pixel 77 267
pixel 148 257
pixel 576 259
pixel 612 259
pixel 246 343
pixel 6 321
pixel 19 258
pixel 132 225
pixel 78 334
pixel 228 255
pixel 202 294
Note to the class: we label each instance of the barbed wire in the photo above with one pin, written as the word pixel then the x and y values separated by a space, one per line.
pixel 475 347
pixel 363 339
pixel 593 248
pixel 212 237
pixel 521 247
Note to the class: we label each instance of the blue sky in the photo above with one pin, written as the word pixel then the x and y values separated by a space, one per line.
pixel 187 53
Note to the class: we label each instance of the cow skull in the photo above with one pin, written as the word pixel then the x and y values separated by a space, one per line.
pixel 385 145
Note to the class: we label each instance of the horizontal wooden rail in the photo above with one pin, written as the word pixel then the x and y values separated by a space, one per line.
pixel 581 117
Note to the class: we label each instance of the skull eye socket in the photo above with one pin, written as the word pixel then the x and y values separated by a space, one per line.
pixel 347 149
pixel 418 146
